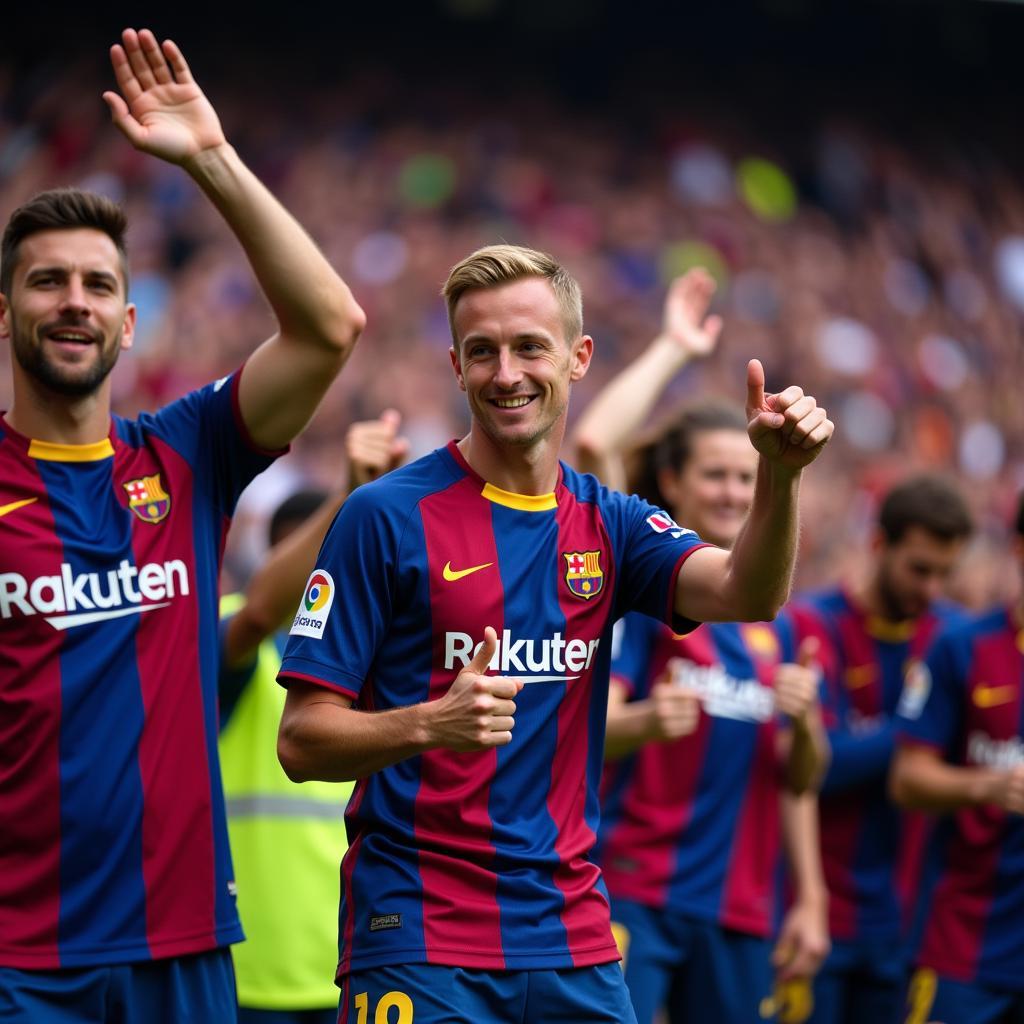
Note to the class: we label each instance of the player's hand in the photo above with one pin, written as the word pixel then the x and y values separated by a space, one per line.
pixel 803 941
pixel 478 710
pixel 1008 790
pixel 685 318
pixel 160 109
pixel 789 429
pixel 675 710
pixel 373 448
pixel 796 685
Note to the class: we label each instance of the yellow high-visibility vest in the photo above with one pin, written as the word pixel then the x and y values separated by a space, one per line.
pixel 287 840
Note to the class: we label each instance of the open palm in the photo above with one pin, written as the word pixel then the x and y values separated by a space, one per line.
pixel 160 108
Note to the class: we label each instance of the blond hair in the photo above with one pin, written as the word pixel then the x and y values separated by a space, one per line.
pixel 496 265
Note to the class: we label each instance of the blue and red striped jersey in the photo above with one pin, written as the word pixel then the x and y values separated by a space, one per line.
pixel 480 859
pixel 966 701
pixel 871 849
pixel 692 825
pixel 113 846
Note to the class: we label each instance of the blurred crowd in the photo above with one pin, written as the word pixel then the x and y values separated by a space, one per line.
pixel 884 276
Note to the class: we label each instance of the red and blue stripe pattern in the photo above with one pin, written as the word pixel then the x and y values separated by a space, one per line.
pixel 480 859
pixel 113 845
pixel 971 917
pixel 692 825
pixel 871 849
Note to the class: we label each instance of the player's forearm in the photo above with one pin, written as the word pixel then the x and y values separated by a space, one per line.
pixel 276 587
pixel 803 851
pixel 930 784
pixel 630 725
pixel 760 568
pixel 808 754
pixel 312 304
pixel 330 743
pixel 858 759
pixel 611 420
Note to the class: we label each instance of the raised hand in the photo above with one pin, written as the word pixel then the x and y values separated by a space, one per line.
pixel 477 711
pixel 685 318
pixel 373 448
pixel 796 685
pixel 674 709
pixel 789 429
pixel 160 109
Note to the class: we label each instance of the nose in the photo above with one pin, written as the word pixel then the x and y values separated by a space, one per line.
pixel 74 298
pixel 508 374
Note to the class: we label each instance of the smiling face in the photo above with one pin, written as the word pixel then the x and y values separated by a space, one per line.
pixel 67 316
pixel 712 491
pixel 512 359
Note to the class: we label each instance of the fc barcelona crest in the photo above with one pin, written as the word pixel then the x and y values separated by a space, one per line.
pixel 583 573
pixel 148 499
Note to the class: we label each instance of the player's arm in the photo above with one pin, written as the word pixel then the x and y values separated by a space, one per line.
pixel 162 111
pixel 922 779
pixel 669 712
pixel 803 941
pixel 323 737
pixel 751 582
pixel 373 448
pixel 611 420
pixel 806 748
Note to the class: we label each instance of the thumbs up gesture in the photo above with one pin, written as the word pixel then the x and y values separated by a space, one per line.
pixel 478 710
pixel 789 428
pixel 796 685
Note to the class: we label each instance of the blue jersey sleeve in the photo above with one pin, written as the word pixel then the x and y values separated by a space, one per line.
pixel 632 643
pixel 205 428
pixel 345 612
pixel 651 549
pixel 931 706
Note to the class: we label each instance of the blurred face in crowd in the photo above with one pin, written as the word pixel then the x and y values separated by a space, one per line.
pixel 712 491
pixel 67 314
pixel 913 572
pixel 514 362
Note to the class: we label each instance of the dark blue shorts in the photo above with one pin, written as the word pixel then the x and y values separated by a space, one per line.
pixel 932 997
pixel 455 995
pixel 199 989
pixel 864 980
pixel 699 970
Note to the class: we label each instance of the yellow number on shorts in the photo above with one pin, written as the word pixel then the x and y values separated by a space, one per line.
pixel 791 1003
pixel 621 935
pixel 921 995
pixel 382 1015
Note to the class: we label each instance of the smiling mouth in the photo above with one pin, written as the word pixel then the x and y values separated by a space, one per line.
pixel 513 403
pixel 71 336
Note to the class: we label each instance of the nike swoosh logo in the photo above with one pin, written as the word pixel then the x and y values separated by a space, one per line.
pixel 993 696
pixel 4 509
pixel 451 575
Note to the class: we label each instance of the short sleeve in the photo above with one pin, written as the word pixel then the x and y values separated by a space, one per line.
pixel 206 428
pixel 632 643
pixel 345 611
pixel 652 548
pixel 931 703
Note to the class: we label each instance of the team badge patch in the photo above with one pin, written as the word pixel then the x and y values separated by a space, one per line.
pixel 315 606
pixel 148 499
pixel 583 573
pixel 917 685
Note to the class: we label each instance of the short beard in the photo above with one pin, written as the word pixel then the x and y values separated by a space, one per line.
pixel 54 378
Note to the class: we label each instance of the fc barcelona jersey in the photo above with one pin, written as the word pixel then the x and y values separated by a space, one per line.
pixel 481 859
pixel 967 701
pixel 692 825
pixel 113 845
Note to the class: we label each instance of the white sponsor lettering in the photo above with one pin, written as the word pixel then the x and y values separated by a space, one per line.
pixel 534 661
pixel 989 753
pixel 72 599
pixel 722 696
